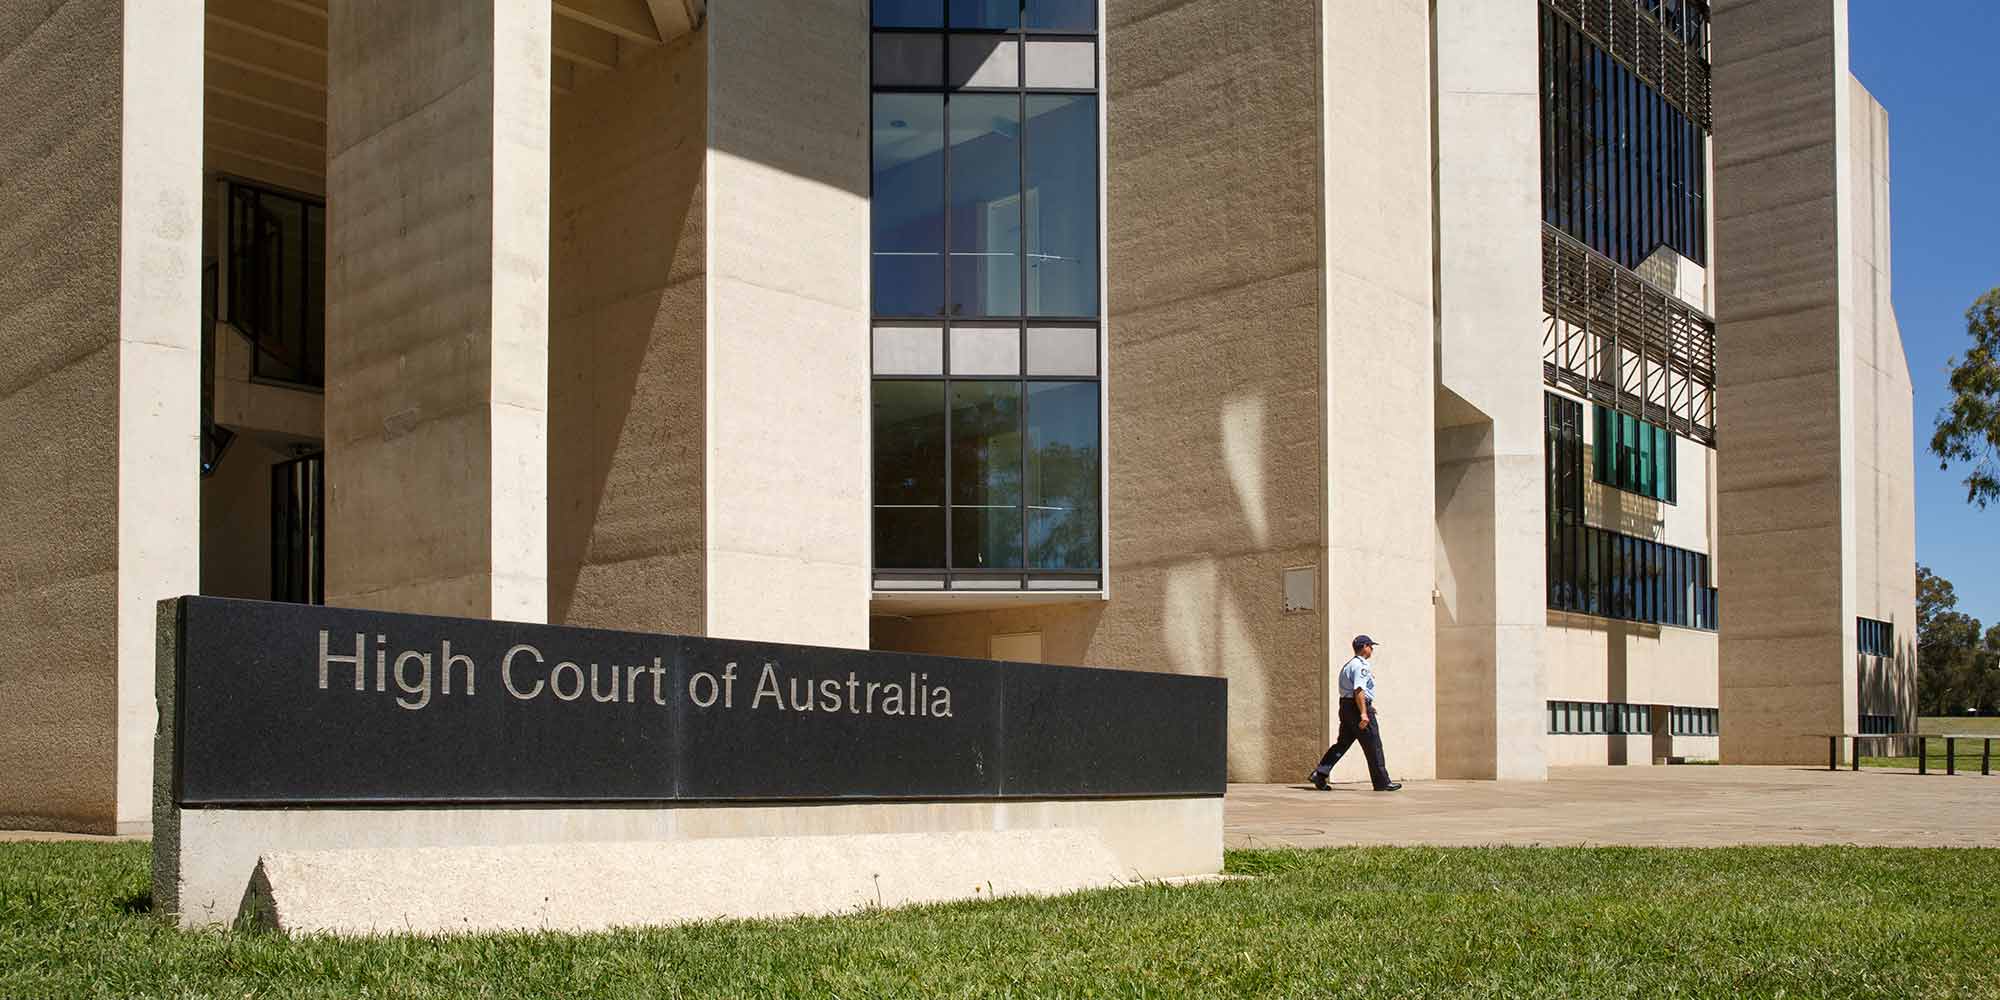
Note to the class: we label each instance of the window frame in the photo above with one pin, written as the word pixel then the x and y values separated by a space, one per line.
pixel 1027 577
pixel 227 303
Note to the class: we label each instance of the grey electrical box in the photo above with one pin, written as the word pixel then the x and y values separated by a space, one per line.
pixel 1301 584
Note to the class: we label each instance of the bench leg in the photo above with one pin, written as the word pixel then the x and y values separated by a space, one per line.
pixel 1950 755
pixel 1986 756
pixel 1923 756
pixel 1833 753
pixel 1854 759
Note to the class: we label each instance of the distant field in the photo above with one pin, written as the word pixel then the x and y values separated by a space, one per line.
pixel 1959 724
pixel 1968 753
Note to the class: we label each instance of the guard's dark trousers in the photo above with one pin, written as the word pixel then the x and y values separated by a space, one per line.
pixel 1371 744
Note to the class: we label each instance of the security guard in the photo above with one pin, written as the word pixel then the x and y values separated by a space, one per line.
pixel 1357 721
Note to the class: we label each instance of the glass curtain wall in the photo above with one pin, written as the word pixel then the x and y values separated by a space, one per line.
pixel 984 249
pixel 1595 571
pixel 1623 170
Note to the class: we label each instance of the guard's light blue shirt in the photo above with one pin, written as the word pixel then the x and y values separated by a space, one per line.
pixel 1357 675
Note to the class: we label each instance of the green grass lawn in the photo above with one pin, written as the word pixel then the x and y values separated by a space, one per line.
pixel 1968 751
pixel 1447 923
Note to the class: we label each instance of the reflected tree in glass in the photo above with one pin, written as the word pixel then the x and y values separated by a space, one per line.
pixel 1063 480
pixel 909 474
pixel 986 475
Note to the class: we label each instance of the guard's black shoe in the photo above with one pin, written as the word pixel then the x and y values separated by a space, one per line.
pixel 1319 782
pixel 1393 786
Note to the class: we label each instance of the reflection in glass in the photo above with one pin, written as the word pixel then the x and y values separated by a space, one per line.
pixel 909 474
pixel 1062 475
pixel 985 265
pixel 986 475
pixel 1062 205
pixel 1063 15
pixel 985 13
pixel 909 13
pixel 908 204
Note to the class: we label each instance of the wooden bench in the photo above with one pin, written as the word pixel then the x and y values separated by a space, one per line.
pixel 1923 746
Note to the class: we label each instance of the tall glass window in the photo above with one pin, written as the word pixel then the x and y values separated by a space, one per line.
pixel 985 266
pixel 277 283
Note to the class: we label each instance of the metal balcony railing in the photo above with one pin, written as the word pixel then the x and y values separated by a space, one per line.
pixel 1616 339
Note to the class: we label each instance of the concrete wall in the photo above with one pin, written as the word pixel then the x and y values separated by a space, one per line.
pixel 626 312
pixel 1380 372
pixel 1599 659
pixel 1213 376
pixel 1783 207
pixel 100 220
pixel 1489 501
pixel 59 223
pixel 437 324
pixel 1883 470
pixel 786 403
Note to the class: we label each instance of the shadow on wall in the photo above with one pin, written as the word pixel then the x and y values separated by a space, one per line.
pixel 626 343
pixel 1618 639
pixel 1617 510
pixel 806 122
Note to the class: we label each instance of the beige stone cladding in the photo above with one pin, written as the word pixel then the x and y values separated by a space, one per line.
pixel 626 305
pixel 1814 476
pixel 1490 473
pixel 1212 375
pixel 437 306
pixel 1380 369
pixel 100 222
pixel 786 517
pixel 1884 469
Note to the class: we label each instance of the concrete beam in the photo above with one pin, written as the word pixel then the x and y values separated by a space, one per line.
pixel 585 45
pixel 628 19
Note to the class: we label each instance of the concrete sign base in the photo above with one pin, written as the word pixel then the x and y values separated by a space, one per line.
pixel 594 887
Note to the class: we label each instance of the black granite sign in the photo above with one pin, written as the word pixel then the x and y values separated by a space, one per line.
pixel 289 704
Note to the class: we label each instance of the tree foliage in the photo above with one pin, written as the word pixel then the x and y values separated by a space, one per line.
pixel 1957 658
pixel 1968 430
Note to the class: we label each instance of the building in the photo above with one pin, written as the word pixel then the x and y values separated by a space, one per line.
pixel 1548 341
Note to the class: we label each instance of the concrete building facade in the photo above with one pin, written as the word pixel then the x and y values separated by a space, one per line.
pixel 1547 341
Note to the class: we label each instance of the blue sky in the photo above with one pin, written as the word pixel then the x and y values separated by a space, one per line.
pixel 1935 64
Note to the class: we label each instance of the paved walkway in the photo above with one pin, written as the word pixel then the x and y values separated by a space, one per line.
pixel 1685 806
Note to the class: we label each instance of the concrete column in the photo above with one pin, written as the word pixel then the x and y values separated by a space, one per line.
pixel 100 221
pixel 787 522
pixel 1784 334
pixel 437 306
pixel 1490 505
pixel 1379 369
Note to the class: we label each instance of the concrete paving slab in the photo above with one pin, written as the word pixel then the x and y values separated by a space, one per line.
pixel 1683 806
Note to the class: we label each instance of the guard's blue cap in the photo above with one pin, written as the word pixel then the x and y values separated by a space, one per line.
pixel 1363 640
